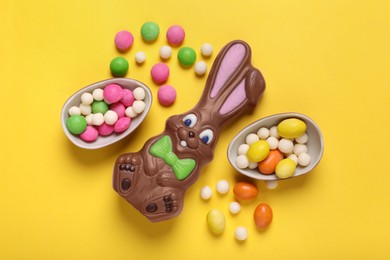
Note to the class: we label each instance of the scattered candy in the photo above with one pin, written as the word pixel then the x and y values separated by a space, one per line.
pixel 215 221
pixel 139 106
pixel 206 192
pixel 139 93
pixel 175 35
pixel 113 93
pixel 206 49
pixel 165 52
pixel 122 124
pixel 263 215
pixel 241 233
pixel 74 111
pixel 119 66
pixel 166 95
pixel 245 191
pixel 140 57
pixel 186 56
pixel 123 40
pixel 285 168
pixel 291 128
pixel 160 73
pixel 90 134
pixel 200 68
pixel 234 207
pixel 76 124
pixel 222 186
pixel 150 31
pixel 271 184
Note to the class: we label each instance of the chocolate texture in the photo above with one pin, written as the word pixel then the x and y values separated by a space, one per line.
pixel 155 178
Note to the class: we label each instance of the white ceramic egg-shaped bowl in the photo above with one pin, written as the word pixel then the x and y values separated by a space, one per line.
pixel 315 144
pixel 103 141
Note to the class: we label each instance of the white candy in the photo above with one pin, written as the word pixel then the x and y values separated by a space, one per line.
pixel 251 138
pixel 293 157
pixel 138 106
pixel 302 139
pixel 86 98
pixel 222 186
pixel 242 161
pixel 130 112
pixel 85 109
pixel 273 131
pixel 273 142
pixel 88 118
pixel 140 57
pixel 74 111
pixel 165 52
pixel 206 49
pixel 200 68
pixel 139 93
pixel 304 159
pixel 110 117
pixel 252 165
pixel 241 233
pixel 286 146
pixel 300 148
pixel 263 133
pixel 271 184
pixel 243 149
pixel 97 94
pixel 234 207
pixel 206 192
pixel 97 119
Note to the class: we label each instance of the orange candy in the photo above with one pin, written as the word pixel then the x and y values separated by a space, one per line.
pixel 268 165
pixel 263 215
pixel 245 191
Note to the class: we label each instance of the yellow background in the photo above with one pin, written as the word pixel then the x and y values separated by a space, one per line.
pixel 326 59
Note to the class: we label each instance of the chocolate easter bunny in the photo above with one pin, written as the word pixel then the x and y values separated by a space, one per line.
pixel 155 179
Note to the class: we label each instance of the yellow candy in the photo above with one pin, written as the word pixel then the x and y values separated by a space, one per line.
pixel 215 221
pixel 285 168
pixel 291 128
pixel 258 151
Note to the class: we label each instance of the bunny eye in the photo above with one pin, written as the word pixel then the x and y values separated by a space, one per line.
pixel 190 120
pixel 206 136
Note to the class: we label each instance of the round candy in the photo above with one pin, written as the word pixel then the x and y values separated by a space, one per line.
pixel 165 52
pixel 263 215
pixel 234 207
pixel 291 128
pixel 150 31
pixel 304 159
pixel 76 124
pixel 258 151
pixel 216 221
pixel 123 40
pixel 268 165
pixel 273 131
pixel 105 129
pixel 139 93
pixel 243 149
pixel 97 119
pixel 263 133
pixel 299 148
pixel 251 138
pixel 118 108
pixel 139 106
pixel 252 165
pixel 293 157
pixel 88 118
pixel 86 98
pixel 97 94
pixel 166 95
pixel 85 109
pixel 302 139
pixel 175 35
pixel 74 111
pixel 206 192
pixel 160 73
pixel 285 168
pixel 110 117
pixel 206 49
pixel 140 57
pixel 286 146
pixel 242 161
pixel 119 66
pixel 222 186
pixel 273 142
pixel 186 56
pixel 113 93
pixel 122 124
pixel 271 184
pixel 90 134
pixel 99 107
pixel 128 97
pixel 241 233
pixel 130 112
pixel 200 68
pixel 245 191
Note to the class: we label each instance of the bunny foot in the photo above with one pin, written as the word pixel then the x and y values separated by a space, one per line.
pixel 163 207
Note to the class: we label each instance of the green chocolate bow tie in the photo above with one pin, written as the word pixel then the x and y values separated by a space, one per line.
pixel 163 149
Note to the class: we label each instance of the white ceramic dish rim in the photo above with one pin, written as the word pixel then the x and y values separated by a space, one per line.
pixel 101 142
pixel 253 127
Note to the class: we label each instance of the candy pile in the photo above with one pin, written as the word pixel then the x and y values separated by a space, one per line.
pixel 243 192
pixel 105 111
pixel 159 72
pixel 278 150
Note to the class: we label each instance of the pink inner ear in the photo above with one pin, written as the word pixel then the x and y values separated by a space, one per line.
pixel 229 64
pixel 235 99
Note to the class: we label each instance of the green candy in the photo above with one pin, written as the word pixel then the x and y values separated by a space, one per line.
pixel 99 107
pixel 76 124
pixel 150 31
pixel 186 56
pixel 119 66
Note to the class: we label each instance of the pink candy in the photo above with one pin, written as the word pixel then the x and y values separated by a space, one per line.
pixel 128 97
pixel 160 73
pixel 105 129
pixel 122 124
pixel 119 109
pixel 166 95
pixel 175 35
pixel 123 40
pixel 90 134
pixel 113 93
